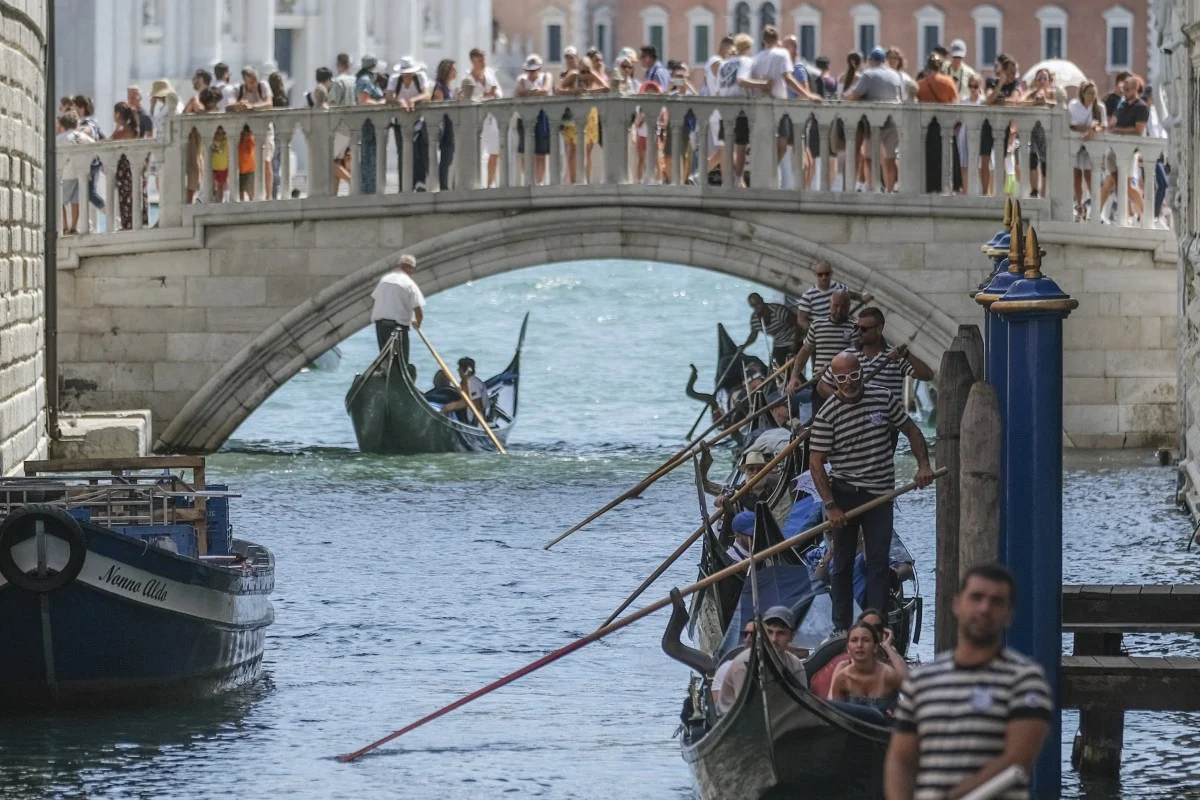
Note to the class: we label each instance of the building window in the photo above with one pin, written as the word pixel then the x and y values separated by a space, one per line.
pixel 931 22
pixel 654 29
pixel 866 27
pixel 808 31
pixel 741 18
pixel 1054 31
pixel 701 23
pixel 766 16
pixel 1119 21
pixel 554 46
pixel 989 35
pixel 602 25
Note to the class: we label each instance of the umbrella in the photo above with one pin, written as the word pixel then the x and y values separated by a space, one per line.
pixel 1066 74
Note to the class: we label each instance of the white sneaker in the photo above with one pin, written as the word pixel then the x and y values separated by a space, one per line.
pixel 1161 224
pixel 860 187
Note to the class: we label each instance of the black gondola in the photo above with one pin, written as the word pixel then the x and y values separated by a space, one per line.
pixel 392 416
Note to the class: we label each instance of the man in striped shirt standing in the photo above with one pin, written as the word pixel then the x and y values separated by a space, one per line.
pixel 853 432
pixel 776 321
pixel 814 303
pixel 826 337
pixel 893 365
pixel 974 712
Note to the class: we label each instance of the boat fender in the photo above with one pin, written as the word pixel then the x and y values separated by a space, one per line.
pixel 21 525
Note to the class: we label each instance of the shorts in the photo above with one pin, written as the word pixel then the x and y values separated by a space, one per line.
pixel 786 130
pixel 70 191
pixel 812 136
pixel 541 135
pixel 960 140
pixel 246 182
pixel 1083 160
pixel 570 134
pixel 889 138
pixel 221 176
pixel 716 132
pixel 741 130
pixel 195 160
pixel 1110 162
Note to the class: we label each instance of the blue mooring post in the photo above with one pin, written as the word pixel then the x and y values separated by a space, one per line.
pixel 1033 310
pixel 1006 251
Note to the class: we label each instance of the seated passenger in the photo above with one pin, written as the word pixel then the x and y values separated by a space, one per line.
pixel 863 680
pixel 475 388
pixel 752 464
pixel 723 667
pixel 780 626
pixel 743 533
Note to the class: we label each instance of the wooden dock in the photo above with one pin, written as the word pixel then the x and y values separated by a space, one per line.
pixel 1103 681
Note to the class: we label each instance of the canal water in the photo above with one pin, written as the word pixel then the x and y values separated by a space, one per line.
pixel 404 583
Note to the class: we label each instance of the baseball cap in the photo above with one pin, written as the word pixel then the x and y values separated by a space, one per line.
pixel 878 55
pixel 743 522
pixel 958 48
pixel 570 52
pixel 780 614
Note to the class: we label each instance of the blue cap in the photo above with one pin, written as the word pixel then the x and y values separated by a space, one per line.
pixel 878 54
pixel 743 522
pixel 774 396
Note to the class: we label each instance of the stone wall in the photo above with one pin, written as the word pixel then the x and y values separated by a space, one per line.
pixel 22 217
pixel 202 335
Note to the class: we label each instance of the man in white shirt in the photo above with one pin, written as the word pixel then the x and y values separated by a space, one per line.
pixel 475 388
pixel 398 304
pixel 221 83
pixel 771 72
pixel 733 80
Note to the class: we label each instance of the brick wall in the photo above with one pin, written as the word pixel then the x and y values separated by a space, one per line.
pixel 1085 34
pixel 22 347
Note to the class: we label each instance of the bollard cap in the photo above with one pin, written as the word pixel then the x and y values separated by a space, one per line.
pixel 1033 293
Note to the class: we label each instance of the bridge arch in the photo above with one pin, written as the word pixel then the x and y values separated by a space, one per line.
pixel 753 250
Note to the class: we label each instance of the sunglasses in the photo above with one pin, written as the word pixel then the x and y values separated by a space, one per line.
pixel 849 377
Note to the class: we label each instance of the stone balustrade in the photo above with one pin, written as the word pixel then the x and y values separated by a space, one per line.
pixel 371 135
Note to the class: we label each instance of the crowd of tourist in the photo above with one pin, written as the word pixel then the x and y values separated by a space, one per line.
pixel 734 70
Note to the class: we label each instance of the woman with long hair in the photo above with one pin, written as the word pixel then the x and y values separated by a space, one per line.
pixel 443 90
pixel 864 680
pixel 1088 116
pixel 271 154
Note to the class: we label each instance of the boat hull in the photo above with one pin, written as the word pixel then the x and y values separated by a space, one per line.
pixel 137 625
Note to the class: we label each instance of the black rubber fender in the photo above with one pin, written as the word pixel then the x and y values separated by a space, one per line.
pixel 21 525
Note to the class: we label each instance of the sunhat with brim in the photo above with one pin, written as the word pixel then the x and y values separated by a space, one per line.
pixel 533 63
pixel 161 89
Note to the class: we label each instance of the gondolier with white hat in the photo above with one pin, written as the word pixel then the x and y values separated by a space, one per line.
pixel 398 304
pixel 852 432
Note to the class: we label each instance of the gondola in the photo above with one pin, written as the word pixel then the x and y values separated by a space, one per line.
pixel 731 370
pixel 392 416
pixel 779 739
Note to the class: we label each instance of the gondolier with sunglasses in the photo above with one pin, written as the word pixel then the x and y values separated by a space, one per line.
pixel 398 304
pixel 893 364
pixel 853 432
pixel 827 336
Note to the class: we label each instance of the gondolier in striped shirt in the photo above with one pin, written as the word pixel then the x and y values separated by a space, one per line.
pixel 778 322
pixel 814 303
pixel 826 337
pixel 398 304
pixel 853 433
pixel 975 712
pixel 893 365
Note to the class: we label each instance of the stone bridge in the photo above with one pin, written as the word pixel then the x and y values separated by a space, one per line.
pixel 201 317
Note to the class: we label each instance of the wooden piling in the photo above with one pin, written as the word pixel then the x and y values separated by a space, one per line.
pixel 954 385
pixel 979 468
pixel 1097 747
pixel 970 341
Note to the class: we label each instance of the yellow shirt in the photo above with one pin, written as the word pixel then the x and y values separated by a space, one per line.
pixel 220 154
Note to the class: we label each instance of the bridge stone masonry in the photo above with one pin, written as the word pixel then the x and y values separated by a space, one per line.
pixel 202 317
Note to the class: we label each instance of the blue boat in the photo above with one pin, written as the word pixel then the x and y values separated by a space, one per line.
pixel 120 583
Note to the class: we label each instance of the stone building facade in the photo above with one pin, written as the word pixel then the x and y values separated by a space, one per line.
pixel 22 215
pixel 1101 36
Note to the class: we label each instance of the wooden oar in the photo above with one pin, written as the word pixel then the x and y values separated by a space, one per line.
pixel 466 395
pixel 600 633
pixel 680 457
pixel 683 548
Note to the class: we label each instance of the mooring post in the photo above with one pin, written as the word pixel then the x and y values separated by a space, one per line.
pixel 954 384
pixel 979 466
pixel 1097 748
pixel 969 341
pixel 1009 269
pixel 1033 309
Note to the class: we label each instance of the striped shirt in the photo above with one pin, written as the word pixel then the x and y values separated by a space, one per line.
pixel 828 338
pixel 857 438
pixel 890 377
pixel 960 716
pixel 815 302
pixel 779 324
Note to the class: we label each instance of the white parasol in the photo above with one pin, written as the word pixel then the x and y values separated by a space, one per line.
pixel 1066 74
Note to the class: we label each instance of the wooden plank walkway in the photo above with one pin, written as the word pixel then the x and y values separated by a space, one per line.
pixel 1131 609
pixel 1131 683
